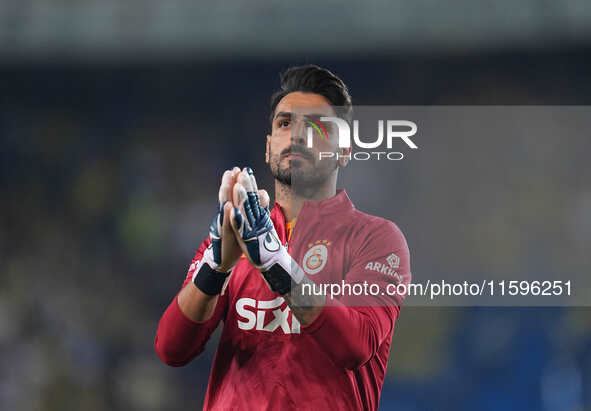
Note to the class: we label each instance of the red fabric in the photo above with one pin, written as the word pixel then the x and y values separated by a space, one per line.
pixel 180 339
pixel 265 359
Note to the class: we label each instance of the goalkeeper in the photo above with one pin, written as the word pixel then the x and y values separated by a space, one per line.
pixel 282 348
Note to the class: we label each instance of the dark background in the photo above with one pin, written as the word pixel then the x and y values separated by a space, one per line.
pixel 109 169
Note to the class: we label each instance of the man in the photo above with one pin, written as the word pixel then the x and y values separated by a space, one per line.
pixel 282 346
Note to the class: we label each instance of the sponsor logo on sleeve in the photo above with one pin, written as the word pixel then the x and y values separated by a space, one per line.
pixel 393 260
pixel 388 268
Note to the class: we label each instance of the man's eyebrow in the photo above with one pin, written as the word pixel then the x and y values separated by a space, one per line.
pixel 283 114
pixel 315 116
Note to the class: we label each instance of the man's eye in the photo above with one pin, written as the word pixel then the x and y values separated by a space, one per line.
pixel 283 123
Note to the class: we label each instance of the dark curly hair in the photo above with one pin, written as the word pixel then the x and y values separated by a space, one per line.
pixel 314 79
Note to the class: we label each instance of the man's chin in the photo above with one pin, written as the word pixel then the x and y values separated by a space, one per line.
pixel 295 172
pixel 300 163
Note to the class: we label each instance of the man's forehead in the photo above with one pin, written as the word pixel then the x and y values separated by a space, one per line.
pixel 304 104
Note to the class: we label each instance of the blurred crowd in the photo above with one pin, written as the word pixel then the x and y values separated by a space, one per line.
pixel 109 178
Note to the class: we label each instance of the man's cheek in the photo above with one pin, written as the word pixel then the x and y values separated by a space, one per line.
pixel 325 145
pixel 279 145
pixel 274 152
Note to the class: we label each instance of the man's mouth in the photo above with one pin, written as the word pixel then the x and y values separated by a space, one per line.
pixel 290 156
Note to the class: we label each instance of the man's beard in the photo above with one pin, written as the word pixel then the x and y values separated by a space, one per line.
pixel 297 174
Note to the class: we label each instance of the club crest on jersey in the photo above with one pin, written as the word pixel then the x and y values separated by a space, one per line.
pixel 316 257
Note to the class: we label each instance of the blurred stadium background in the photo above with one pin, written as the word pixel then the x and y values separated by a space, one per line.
pixel 117 119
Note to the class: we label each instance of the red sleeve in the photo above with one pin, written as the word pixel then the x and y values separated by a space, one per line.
pixel 363 322
pixel 180 339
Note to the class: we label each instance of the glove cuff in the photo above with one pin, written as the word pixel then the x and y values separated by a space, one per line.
pixel 281 271
pixel 210 281
pixel 206 278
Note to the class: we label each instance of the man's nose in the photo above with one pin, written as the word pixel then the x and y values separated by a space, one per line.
pixel 298 132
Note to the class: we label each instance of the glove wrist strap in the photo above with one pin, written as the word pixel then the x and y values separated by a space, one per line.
pixel 281 272
pixel 206 278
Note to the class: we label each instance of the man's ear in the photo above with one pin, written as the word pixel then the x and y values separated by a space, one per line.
pixel 267 150
pixel 344 156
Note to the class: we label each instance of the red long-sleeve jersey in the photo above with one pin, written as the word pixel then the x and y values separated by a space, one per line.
pixel 267 360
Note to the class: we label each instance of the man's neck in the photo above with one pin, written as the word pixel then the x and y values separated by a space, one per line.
pixel 292 202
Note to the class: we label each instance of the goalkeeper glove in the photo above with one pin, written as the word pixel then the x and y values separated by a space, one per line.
pixel 223 253
pixel 258 238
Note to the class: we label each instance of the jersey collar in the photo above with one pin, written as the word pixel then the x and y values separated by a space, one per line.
pixel 336 204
